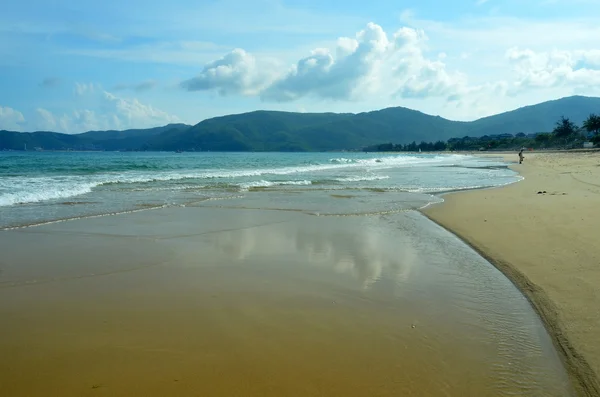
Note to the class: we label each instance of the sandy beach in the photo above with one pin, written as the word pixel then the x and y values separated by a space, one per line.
pixel 547 244
pixel 214 301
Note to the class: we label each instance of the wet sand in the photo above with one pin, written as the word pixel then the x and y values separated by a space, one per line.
pixel 237 302
pixel 547 244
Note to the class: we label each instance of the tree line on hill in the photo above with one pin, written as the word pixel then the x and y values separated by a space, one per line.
pixel 566 135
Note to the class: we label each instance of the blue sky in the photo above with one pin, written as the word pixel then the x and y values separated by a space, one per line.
pixel 71 66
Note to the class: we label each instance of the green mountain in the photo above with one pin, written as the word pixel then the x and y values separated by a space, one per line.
pixel 537 118
pixel 133 139
pixel 126 134
pixel 286 131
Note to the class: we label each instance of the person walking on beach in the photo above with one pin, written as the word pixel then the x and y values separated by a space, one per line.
pixel 521 156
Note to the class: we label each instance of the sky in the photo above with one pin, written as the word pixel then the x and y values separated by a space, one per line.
pixel 77 65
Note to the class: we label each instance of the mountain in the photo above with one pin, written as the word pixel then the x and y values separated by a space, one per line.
pixel 133 139
pixel 537 118
pixel 125 134
pixel 287 131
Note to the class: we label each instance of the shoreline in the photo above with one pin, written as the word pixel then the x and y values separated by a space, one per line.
pixel 451 215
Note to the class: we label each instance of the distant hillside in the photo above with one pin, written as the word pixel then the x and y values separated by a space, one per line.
pixel 268 130
pixel 286 131
pixel 133 139
pixel 536 118
pixel 136 139
pixel 125 134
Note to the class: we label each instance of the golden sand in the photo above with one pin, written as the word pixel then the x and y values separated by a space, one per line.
pixel 237 302
pixel 547 243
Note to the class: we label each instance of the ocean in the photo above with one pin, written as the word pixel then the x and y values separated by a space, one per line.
pixel 42 187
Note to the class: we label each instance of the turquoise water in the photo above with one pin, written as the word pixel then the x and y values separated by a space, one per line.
pixel 39 187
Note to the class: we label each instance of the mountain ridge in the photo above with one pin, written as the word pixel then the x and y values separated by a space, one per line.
pixel 265 130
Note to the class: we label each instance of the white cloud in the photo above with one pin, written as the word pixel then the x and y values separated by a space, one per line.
pixel 11 119
pixel 416 76
pixel 109 112
pixel 553 69
pixel 131 113
pixel 322 74
pixel 370 63
pixel 44 120
pixel 83 88
pixel 459 63
pixel 590 57
pixel 410 67
pixel 236 73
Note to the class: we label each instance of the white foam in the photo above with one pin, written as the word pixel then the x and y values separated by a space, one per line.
pixel 257 184
pixel 342 160
pixel 411 160
pixel 400 160
pixel 168 188
pixel 37 189
pixel 37 192
pixel 363 178
pixel 445 189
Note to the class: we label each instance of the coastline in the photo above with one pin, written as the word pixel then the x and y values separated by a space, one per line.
pixel 544 244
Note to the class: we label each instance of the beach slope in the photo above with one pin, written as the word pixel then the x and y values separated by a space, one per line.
pixel 547 244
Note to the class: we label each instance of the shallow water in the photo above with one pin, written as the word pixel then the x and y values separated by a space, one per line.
pixel 290 299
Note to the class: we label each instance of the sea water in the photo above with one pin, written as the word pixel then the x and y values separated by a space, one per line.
pixel 41 187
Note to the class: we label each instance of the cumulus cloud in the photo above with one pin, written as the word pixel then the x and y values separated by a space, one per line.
pixel 369 63
pixel 382 66
pixel 131 113
pixel 590 58
pixel 108 112
pixel 137 87
pixel 553 69
pixel 82 120
pixel 236 73
pixel 335 77
pixel 44 120
pixel 417 76
pixel 11 119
